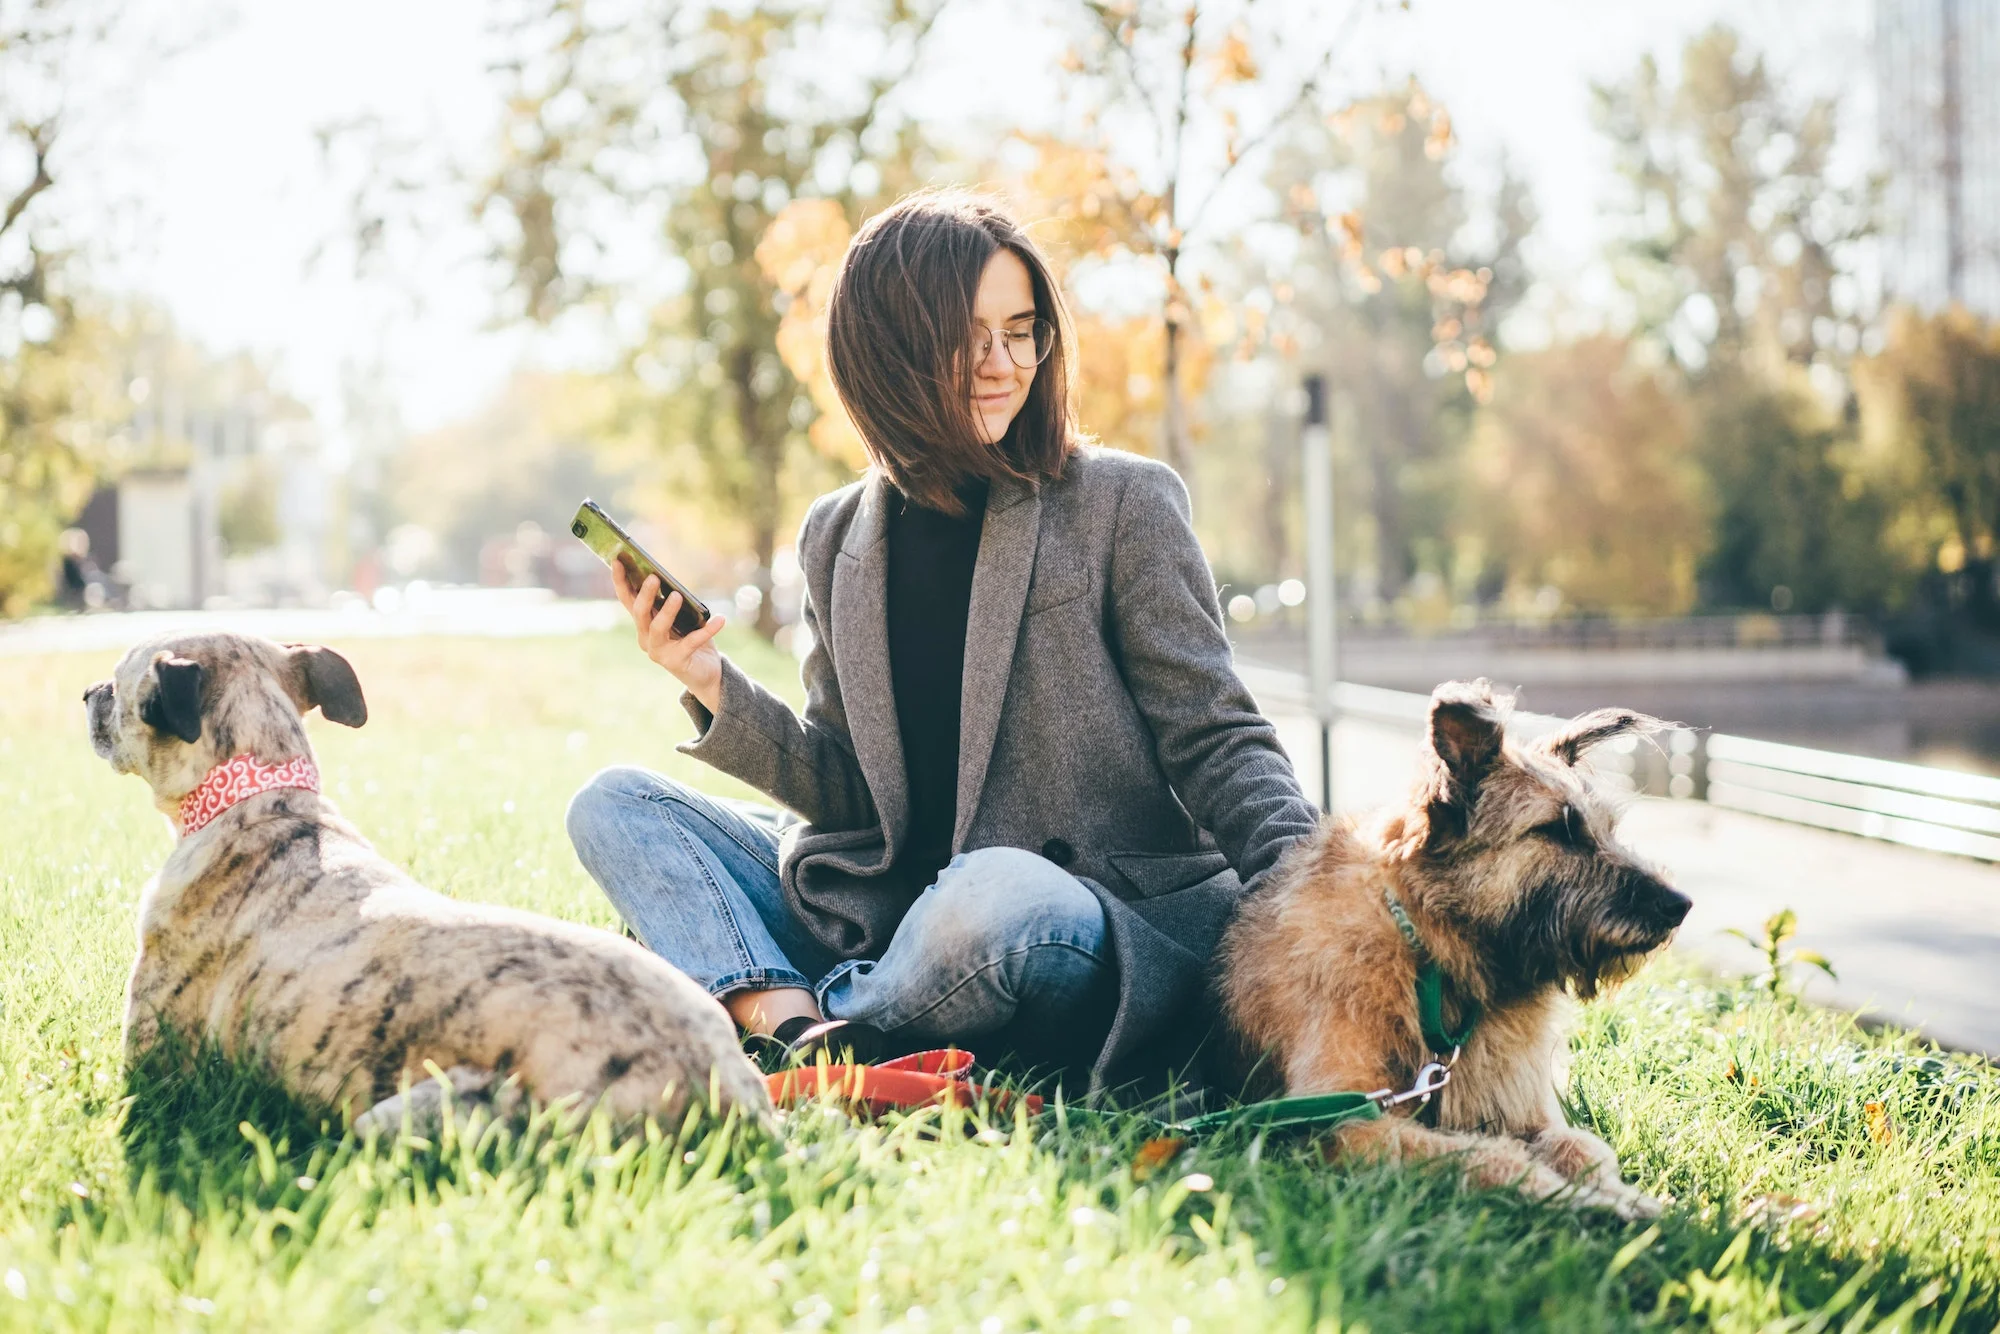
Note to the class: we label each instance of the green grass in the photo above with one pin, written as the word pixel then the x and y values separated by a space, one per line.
pixel 211 1201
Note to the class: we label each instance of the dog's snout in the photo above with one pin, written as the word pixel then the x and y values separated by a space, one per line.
pixel 98 706
pixel 1667 906
pixel 1651 905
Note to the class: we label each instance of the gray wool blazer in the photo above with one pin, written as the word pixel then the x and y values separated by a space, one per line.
pixel 1102 725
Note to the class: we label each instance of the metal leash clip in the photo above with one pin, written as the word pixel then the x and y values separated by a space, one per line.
pixel 1430 1079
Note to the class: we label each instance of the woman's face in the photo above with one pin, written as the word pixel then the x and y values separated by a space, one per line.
pixel 1005 302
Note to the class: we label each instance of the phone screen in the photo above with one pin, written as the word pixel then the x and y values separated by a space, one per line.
pixel 615 547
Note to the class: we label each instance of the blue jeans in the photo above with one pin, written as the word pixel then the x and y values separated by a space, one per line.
pixel 1004 940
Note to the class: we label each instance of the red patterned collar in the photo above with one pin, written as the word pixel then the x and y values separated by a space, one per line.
pixel 239 780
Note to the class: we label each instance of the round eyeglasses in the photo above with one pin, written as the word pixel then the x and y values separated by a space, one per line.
pixel 1027 345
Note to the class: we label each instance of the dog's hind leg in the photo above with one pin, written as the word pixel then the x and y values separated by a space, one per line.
pixel 1486 1161
pixel 423 1103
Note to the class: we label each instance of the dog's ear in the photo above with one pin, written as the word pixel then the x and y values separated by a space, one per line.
pixel 1570 742
pixel 327 681
pixel 1466 727
pixel 1465 732
pixel 173 705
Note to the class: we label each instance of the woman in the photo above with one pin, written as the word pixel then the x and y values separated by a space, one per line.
pixel 1031 785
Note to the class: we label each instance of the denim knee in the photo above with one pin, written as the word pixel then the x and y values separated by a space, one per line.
pixel 995 901
pixel 607 799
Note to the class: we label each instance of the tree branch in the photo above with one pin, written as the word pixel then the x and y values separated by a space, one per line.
pixel 1180 142
pixel 1108 22
pixel 1308 89
pixel 41 137
pixel 881 86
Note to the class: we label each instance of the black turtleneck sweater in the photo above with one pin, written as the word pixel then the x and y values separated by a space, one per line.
pixel 931 556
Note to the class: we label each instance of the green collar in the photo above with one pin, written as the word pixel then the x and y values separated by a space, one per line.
pixel 1430 987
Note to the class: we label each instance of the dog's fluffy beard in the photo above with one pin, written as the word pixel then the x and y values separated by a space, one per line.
pixel 1590 932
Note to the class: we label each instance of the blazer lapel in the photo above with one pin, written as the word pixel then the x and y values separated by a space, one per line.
pixel 860 618
pixel 999 591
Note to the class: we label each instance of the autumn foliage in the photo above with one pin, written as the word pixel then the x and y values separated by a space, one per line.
pixel 1587 481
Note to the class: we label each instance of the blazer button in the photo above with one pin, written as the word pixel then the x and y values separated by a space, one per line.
pixel 1059 852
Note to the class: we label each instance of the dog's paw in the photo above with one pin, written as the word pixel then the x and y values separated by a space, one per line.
pixel 1629 1203
pixel 1541 1182
pixel 1577 1154
pixel 1636 1206
pixel 1591 1192
pixel 422 1107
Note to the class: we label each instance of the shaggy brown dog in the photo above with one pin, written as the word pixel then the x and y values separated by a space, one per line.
pixel 1507 870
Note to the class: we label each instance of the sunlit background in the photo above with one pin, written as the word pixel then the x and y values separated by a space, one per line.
pixel 1657 333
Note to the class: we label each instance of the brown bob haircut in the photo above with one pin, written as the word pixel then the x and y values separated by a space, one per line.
pixel 899 343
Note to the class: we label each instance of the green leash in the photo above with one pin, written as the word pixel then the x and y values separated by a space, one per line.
pixel 1322 1111
pixel 1430 987
pixel 1316 1110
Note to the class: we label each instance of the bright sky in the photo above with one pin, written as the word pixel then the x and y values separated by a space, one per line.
pixel 218 149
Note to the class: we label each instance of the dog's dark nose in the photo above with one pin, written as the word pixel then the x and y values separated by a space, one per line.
pixel 1650 905
pixel 91 691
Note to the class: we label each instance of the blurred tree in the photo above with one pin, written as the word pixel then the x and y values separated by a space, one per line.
pixel 543 443
pixel 247 511
pixel 1395 290
pixel 800 257
pixel 60 396
pixel 1796 527
pixel 1736 250
pixel 1930 404
pixel 1166 99
pixel 699 124
pixel 57 390
pixel 1587 482
pixel 1737 237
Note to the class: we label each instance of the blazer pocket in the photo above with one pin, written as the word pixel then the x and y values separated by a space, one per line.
pixel 1148 875
pixel 1060 577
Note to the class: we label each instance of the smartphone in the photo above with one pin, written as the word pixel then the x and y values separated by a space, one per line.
pixel 601 533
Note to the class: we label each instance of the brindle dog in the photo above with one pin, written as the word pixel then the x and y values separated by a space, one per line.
pixel 278 931
pixel 1507 868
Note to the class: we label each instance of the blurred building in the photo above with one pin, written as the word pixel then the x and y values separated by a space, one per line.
pixel 226 498
pixel 1937 71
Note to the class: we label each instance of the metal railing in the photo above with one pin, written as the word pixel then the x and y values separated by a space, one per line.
pixel 1941 810
pixel 1749 630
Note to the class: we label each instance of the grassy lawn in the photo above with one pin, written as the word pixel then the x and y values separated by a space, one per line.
pixel 1821 1177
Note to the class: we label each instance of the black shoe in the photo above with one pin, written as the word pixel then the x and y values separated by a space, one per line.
pixel 844 1043
pixel 765 1051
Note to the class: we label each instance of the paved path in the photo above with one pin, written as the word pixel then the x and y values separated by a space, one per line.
pixel 1915 935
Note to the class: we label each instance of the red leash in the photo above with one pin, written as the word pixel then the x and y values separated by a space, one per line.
pixel 918 1080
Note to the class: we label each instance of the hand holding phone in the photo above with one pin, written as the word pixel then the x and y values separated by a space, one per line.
pixel 675 628
pixel 616 548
